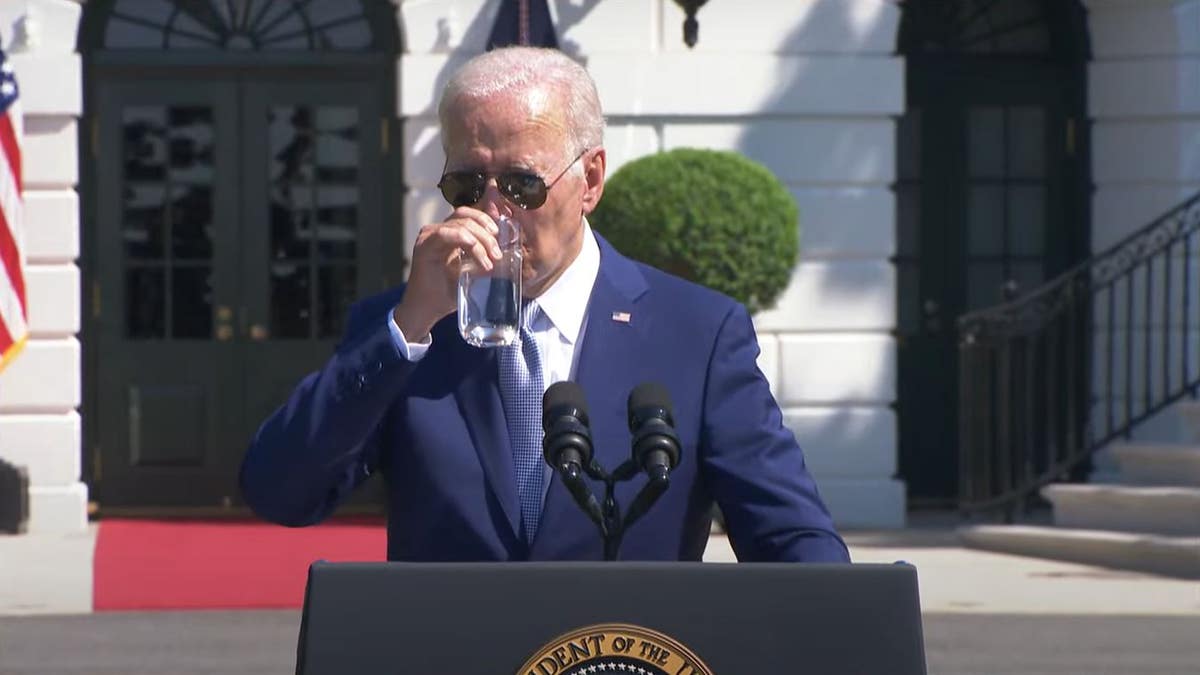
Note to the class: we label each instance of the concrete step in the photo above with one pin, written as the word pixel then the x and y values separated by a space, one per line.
pixel 1158 464
pixel 1156 554
pixel 1173 511
pixel 1188 413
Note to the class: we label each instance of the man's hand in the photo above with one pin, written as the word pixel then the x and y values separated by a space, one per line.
pixel 441 248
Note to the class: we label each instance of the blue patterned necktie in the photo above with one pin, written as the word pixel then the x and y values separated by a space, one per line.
pixel 521 388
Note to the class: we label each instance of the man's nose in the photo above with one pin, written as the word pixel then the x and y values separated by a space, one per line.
pixel 493 202
pixel 491 195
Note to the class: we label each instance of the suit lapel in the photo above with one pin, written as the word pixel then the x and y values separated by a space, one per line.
pixel 607 342
pixel 478 395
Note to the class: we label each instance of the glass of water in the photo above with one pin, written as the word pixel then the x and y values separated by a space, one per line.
pixel 489 302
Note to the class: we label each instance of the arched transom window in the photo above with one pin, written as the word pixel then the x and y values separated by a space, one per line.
pixel 979 27
pixel 242 25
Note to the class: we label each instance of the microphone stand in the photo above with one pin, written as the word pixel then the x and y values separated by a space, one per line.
pixel 610 523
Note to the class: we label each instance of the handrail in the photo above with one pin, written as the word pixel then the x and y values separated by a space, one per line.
pixel 1050 378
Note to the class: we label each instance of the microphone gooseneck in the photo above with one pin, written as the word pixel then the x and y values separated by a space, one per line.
pixel 567 447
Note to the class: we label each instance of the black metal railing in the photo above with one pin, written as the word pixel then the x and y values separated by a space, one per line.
pixel 1047 380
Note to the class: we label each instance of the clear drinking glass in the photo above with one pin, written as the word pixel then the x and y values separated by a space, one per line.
pixel 489 303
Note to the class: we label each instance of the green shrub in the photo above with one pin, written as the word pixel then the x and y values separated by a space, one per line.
pixel 715 218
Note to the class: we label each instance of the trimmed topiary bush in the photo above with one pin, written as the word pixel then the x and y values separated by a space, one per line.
pixel 715 218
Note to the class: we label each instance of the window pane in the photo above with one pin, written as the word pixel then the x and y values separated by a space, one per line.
pixel 1027 276
pixel 985 220
pixel 145 152
pixel 984 284
pixel 1026 220
pixel 145 304
pixel 123 34
pixel 353 35
pixel 288 32
pixel 239 25
pixel 337 222
pixel 291 221
pixel 191 306
pixel 337 289
pixel 191 222
pixel 291 304
pixel 191 144
pixel 1027 143
pixel 985 137
pixel 337 145
pixel 290 144
pixel 143 223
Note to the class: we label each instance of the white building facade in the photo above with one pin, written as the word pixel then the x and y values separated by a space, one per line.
pixel 813 89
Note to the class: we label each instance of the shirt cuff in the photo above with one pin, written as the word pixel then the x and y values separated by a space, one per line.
pixel 409 351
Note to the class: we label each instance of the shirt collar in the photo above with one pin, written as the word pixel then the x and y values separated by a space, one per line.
pixel 561 302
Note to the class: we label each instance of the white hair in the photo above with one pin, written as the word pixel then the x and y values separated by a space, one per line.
pixel 519 70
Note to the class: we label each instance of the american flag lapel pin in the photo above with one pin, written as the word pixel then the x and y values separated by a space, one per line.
pixel 621 317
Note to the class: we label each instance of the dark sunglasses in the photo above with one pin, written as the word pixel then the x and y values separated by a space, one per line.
pixel 523 188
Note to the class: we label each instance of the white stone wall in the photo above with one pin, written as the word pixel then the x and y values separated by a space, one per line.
pixel 40 391
pixel 1144 101
pixel 809 88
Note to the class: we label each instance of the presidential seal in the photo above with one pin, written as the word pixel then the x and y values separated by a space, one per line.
pixel 616 648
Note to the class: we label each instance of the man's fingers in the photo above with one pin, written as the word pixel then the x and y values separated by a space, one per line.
pixel 476 216
pixel 472 240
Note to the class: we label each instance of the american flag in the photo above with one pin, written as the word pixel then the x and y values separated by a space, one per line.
pixel 14 329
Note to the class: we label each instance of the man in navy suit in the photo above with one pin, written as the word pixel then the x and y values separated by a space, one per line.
pixel 404 394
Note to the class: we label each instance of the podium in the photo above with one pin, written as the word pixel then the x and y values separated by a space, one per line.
pixel 631 618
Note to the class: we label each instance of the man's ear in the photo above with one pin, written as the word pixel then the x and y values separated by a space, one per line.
pixel 594 166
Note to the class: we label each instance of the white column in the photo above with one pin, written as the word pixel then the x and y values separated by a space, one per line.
pixel 40 391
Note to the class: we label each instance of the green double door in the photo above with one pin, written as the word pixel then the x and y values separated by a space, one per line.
pixel 236 222
pixel 991 204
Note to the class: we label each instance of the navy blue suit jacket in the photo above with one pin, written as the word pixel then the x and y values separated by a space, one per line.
pixel 436 429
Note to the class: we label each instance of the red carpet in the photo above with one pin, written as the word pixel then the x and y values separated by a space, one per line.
pixel 220 564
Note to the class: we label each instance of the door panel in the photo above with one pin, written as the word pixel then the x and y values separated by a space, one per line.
pixel 982 220
pixel 311 239
pixel 238 221
pixel 167 234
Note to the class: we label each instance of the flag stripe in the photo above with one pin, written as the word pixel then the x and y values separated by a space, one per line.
pixel 6 340
pixel 11 202
pixel 14 308
pixel 12 150
pixel 12 311
pixel 10 257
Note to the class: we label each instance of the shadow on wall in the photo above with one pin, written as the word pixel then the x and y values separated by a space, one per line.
pixel 840 170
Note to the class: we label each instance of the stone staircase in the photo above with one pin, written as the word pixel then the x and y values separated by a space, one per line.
pixel 1141 510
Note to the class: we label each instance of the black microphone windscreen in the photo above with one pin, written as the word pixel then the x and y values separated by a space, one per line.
pixel 649 395
pixel 564 398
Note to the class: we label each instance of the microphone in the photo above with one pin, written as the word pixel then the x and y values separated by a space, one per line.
pixel 567 444
pixel 655 443
pixel 568 441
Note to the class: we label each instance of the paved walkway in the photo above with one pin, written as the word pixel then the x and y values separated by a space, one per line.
pixel 49 574
pixel 954 579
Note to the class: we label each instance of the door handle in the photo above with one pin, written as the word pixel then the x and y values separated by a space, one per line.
pixel 224 328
